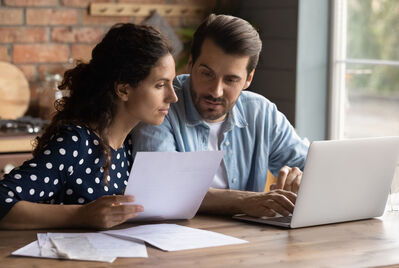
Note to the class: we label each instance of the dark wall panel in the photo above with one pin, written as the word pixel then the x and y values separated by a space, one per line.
pixel 277 23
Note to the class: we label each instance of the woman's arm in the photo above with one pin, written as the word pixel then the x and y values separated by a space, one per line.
pixel 105 212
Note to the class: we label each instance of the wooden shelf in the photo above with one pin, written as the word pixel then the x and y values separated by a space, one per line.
pixel 144 10
pixel 10 144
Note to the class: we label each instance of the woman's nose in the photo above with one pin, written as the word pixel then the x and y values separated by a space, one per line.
pixel 171 98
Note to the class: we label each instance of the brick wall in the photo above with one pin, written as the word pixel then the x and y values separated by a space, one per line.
pixel 47 36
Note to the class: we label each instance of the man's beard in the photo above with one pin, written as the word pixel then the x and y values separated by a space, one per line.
pixel 211 114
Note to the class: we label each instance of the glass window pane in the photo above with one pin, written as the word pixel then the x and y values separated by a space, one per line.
pixel 372 101
pixel 373 29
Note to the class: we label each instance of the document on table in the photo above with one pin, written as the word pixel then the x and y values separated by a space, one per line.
pixel 171 185
pixel 104 247
pixel 173 237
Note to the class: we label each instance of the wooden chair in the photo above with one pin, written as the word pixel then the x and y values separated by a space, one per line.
pixel 270 180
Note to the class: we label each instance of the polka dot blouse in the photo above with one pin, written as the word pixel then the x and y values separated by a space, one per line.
pixel 69 170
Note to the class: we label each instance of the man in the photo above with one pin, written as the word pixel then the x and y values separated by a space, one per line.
pixel 214 113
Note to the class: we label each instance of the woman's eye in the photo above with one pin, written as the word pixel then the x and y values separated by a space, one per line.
pixel 160 85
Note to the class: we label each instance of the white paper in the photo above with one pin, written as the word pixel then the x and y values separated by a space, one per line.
pixel 107 246
pixel 171 185
pixel 31 250
pixel 173 237
pixel 78 248
pixel 111 247
pixel 46 247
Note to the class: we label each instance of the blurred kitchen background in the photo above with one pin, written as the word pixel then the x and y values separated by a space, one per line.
pixel 331 66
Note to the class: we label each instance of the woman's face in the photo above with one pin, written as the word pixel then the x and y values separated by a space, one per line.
pixel 149 101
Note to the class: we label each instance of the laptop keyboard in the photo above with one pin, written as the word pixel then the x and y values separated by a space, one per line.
pixel 286 219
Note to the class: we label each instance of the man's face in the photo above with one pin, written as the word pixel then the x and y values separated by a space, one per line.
pixel 217 80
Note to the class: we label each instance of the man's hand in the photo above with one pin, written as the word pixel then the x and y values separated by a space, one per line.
pixel 288 179
pixel 267 204
pixel 108 211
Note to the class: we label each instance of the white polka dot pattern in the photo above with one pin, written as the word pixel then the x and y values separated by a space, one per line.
pixel 68 171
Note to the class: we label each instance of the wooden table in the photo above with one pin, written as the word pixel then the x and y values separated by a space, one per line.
pixel 368 243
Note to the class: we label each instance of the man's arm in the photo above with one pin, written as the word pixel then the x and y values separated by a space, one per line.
pixel 153 138
pixel 230 202
pixel 287 148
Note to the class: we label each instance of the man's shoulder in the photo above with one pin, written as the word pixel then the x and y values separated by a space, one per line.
pixel 251 100
pixel 179 81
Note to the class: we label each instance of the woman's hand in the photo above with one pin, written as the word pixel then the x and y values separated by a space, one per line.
pixel 108 211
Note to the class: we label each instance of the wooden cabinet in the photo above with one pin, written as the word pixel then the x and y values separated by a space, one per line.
pixel 14 150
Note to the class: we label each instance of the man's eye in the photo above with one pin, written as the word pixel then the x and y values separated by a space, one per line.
pixel 207 74
pixel 160 85
pixel 232 80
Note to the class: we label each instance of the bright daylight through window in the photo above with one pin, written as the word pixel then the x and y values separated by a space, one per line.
pixel 365 84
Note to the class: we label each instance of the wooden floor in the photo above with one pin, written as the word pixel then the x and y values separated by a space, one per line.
pixel 368 243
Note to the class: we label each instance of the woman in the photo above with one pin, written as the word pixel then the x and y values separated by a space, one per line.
pixel 82 161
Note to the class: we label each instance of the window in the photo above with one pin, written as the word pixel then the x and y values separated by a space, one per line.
pixel 364 97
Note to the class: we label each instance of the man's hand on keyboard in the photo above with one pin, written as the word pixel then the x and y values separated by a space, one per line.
pixel 268 204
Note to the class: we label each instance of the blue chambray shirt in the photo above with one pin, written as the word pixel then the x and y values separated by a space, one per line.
pixel 256 137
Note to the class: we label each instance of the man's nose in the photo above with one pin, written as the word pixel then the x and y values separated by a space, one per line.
pixel 217 88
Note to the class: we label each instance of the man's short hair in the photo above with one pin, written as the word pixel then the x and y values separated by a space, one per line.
pixel 234 35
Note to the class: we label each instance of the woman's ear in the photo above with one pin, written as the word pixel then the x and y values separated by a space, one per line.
pixel 122 91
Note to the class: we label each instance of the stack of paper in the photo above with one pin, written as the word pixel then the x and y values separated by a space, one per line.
pixel 82 246
pixel 107 246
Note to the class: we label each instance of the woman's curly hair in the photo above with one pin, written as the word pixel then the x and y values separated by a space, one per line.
pixel 125 55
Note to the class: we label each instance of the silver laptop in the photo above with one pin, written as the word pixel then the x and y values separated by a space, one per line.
pixel 343 180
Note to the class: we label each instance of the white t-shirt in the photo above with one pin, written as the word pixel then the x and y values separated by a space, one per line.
pixel 220 179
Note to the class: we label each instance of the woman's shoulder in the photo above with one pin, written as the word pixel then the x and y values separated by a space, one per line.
pixel 76 133
pixel 71 136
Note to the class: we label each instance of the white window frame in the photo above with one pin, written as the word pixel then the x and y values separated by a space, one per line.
pixel 337 88
pixel 336 111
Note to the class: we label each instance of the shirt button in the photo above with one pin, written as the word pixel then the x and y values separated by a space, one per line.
pixel 227 143
pixel 234 180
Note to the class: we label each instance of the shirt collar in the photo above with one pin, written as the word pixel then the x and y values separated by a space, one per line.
pixel 193 118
